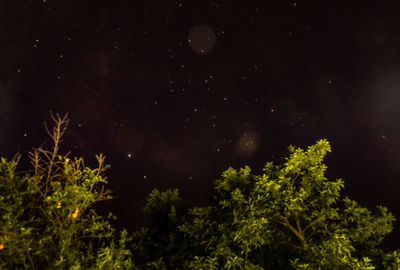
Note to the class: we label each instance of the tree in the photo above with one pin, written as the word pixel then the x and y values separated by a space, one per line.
pixel 47 220
pixel 290 217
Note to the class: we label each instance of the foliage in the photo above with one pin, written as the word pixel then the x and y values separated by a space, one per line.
pixel 165 243
pixel 290 217
pixel 47 219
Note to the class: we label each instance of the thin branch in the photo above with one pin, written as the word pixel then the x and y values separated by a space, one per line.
pixel 299 233
pixel 298 224
pixel 311 224
pixel 57 133
pixel 291 185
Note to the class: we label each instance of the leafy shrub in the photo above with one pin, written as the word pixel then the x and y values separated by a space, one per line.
pixel 290 217
pixel 47 216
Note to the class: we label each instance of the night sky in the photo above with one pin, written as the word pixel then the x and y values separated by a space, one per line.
pixel 175 92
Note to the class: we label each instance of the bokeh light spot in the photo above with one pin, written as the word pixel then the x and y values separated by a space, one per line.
pixel 202 39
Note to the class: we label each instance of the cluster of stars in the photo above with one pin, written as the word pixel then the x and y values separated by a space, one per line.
pixel 201 39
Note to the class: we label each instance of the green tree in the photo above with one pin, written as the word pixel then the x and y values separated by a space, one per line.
pixel 47 219
pixel 164 247
pixel 290 217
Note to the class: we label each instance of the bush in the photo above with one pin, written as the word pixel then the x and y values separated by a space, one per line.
pixel 290 217
pixel 47 217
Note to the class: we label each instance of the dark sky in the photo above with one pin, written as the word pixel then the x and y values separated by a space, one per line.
pixel 175 92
